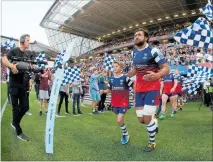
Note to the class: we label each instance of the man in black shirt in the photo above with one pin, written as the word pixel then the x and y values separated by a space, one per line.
pixel 28 88
pixel 16 84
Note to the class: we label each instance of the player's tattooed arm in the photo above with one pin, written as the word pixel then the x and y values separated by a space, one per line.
pixel 152 76
pixel 164 70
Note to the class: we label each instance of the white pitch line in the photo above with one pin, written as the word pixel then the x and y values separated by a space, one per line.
pixel 3 109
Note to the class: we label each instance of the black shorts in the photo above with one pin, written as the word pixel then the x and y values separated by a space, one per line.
pixel 170 95
pixel 180 94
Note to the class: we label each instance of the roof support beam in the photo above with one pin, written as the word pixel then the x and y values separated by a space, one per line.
pixel 69 4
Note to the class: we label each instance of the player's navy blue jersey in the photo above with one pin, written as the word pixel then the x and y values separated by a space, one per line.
pixel 147 59
pixel 168 82
pixel 119 87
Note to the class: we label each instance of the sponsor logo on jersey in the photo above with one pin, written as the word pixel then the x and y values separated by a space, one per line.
pixel 139 66
pixel 117 88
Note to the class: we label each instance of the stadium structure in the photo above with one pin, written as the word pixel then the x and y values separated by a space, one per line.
pixel 96 23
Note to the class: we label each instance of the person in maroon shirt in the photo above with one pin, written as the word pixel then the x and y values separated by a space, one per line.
pixel 43 88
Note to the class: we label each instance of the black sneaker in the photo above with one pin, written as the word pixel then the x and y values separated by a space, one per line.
pixel 181 109
pixel 23 137
pixel 174 112
pixel 46 112
pixel 67 113
pixel 150 147
pixel 79 112
pixel 74 113
pixel 40 113
pixel 95 112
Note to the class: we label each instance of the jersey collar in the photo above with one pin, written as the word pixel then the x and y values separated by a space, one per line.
pixel 144 47
pixel 119 76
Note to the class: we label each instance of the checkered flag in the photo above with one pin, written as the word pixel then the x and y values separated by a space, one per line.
pixel 58 60
pixel 208 11
pixel 199 72
pixel 199 34
pixel 71 74
pixel 108 62
pixel 196 75
pixel 39 58
pixel 191 88
pixel 9 44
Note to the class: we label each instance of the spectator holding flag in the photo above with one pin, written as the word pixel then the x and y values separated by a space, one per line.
pixel 64 93
pixel 43 89
pixel 94 90
pixel 102 85
pixel 76 94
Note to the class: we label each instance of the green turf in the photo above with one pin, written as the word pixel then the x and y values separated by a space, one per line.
pixel 3 93
pixel 186 137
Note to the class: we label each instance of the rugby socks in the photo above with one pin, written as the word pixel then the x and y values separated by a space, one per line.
pixel 163 112
pixel 124 130
pixel 174 110
pixel 151 128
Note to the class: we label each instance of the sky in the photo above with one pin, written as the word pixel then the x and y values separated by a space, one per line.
pixel 24 17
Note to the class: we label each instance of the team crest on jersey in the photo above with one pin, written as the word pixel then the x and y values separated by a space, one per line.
pixel 121 82
pixel 111 80
pixel 145 56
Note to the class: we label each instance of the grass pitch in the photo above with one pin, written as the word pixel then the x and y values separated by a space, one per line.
pixel 97 137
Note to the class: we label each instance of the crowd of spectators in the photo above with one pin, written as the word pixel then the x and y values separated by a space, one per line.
pixel 176 54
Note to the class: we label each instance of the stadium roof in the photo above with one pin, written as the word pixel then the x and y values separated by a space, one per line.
pixel 103 19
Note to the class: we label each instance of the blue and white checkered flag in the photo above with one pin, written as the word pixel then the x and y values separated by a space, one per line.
pixel 196 75
pixel 108 62
pixel 9 44
pixel 41 57
pixel 58 60
pixel 71 74
pixel 191 88
pixel 208 10
pixel 199 34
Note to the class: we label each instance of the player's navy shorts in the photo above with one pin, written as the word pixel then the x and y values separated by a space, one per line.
pixel 171 94
pixel 119 110
pixel 150 98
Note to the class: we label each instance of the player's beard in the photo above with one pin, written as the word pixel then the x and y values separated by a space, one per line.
pixel 141 43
